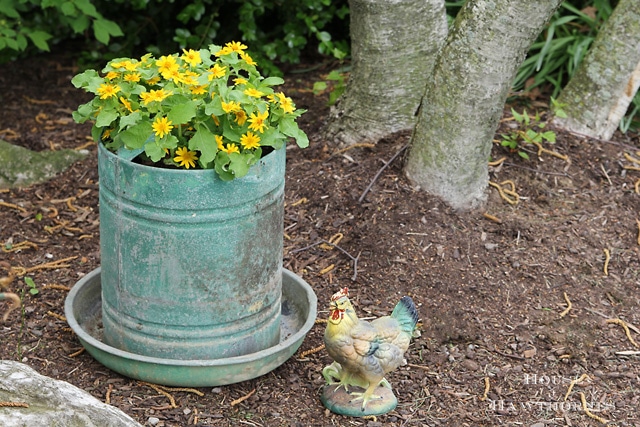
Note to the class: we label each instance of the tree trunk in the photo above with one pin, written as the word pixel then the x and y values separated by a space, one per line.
pixel 394 45
pixel 465 96
pixel 598 94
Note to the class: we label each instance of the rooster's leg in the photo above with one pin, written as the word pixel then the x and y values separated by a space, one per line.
pixel 368 394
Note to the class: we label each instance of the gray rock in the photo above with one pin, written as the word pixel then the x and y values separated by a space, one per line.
pixel 52 403
pixel 20 167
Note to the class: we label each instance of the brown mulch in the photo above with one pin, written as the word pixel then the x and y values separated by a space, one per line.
pixel 498 345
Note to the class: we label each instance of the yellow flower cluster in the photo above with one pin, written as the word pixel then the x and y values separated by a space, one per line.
pixel 184 101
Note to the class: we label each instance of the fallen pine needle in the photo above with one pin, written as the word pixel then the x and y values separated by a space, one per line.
pixel 14 404
pixel 77 353
pixel 504 192
pixel 569 306
pixel 586 410
pixel 541 150
pixel 299 202
pixel 306 353
pixel 497 162
pixel 107 398
pixel 492 218
pixel 486 389
pixel 326 270
pixel 12 206
pixel 57 316
pixel 160 390
pixel 574 382
pixel 321 321
pixel 20 246
pixel 638 222
pixel 626 329
pixel 56 286
pixel 185 389
pixel 607 258
pixel 243 398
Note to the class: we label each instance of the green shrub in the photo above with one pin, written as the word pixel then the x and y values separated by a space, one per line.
pixel 279 29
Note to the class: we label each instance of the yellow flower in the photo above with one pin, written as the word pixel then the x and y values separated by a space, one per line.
pixel 126 104
pixel 239 81
pixel 132 77
pixel 117 64
pixel 154 95
pixel 257 121
pixel 285 103
pixel 111 75
pixel 198 90
pixel 241 117
pixel 247 58
pixel 167 66
pixel 154 80
pixel 235 46
pixel 185 157
pixel 250 141
pixel 231 148
pixel 130 66
pixel 231 107
pixel 106 90
pixel 162 126
pixel 217 71
pixel 219 142
pixel 191 57
pixel 253 92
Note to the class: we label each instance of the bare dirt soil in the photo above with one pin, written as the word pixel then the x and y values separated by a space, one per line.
pixel 498 346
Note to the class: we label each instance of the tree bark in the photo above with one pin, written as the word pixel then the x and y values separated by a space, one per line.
pixel 394 46
pixel 599 93
pixel 465 97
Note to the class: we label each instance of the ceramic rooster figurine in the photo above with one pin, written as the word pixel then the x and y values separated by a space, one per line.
pixel 364 352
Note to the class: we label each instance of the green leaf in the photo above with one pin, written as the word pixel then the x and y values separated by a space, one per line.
pixel 136 136
pixel 240 163
pixel 204 141
pixel 32 285
pixel 87 8
pixel 130 120
pixel 106 117
pixel 182 113
pixel 549 136
pixel 154 151
pixel 272 81
pixel 516 116
pixel 68 9
pixel 39 39
pixel 221 165
pixel 523 155
pixel 8 10
pixel 79 24
pixel 103 29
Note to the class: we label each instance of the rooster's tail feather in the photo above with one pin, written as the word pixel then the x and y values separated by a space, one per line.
pixel 406 314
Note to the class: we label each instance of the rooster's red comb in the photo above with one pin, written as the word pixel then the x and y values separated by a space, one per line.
pixel 344 292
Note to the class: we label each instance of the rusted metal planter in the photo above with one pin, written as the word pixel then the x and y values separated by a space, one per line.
pixel 191 266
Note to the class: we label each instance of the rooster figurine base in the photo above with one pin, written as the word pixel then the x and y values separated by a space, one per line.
pixel 363 353
pixel 343 400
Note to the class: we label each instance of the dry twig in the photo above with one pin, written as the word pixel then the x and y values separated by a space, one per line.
pixel 377 175
pixel 107 398
pixel 77 353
